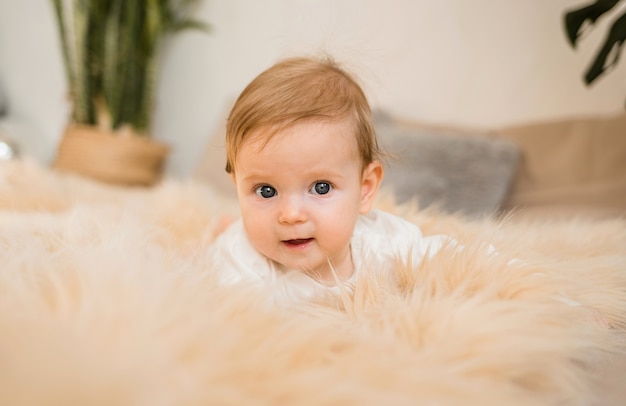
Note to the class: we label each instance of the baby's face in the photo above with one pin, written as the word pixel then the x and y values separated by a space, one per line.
pixel 300 195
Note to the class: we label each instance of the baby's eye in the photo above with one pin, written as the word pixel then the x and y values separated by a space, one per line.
pixel 265 191
pixel 321 188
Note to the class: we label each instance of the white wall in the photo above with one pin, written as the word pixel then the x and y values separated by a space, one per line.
pixel 479 63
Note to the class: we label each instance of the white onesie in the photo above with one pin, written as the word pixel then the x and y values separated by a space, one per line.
pixel 378 240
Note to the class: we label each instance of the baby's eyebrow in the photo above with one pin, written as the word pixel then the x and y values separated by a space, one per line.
pixel 254 174
pixel 254 178
pixel 325 174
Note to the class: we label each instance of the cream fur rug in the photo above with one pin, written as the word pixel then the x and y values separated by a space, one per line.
pixel 106 298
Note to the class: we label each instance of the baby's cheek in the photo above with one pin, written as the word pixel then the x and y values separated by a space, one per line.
pixel 338 235
pixel 257 230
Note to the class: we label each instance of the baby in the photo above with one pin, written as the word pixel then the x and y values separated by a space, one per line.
pixel 303 154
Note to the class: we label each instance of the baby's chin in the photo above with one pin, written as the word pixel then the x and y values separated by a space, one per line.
pixel 307 257
pixel 314 270
pixel 321 272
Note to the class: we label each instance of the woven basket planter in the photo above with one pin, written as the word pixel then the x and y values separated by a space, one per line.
pixel 113 158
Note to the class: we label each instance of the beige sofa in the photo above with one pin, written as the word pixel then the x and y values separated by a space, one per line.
pixel 563 168
pixel 570 167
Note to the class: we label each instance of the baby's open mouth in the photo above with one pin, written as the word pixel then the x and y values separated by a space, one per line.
pixel 297 242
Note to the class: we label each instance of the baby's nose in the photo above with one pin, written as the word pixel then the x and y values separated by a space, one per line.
pixel 292 210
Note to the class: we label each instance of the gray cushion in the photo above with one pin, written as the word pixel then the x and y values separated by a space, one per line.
pixel 463 174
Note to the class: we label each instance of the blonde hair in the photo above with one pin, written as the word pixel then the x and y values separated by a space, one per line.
pixel 299 89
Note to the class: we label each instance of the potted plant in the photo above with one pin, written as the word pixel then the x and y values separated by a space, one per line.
pixel 111 52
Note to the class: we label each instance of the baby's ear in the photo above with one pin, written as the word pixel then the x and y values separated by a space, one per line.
pixel 370 183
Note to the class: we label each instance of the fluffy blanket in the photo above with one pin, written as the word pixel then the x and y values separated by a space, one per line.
pixel 106 297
